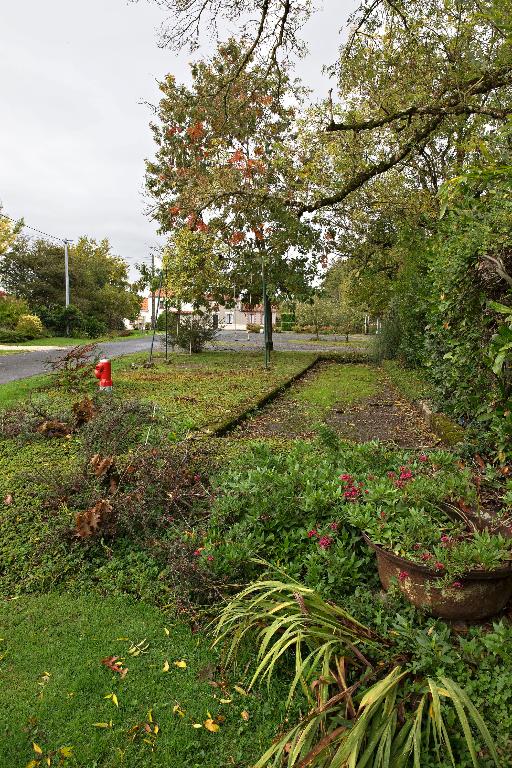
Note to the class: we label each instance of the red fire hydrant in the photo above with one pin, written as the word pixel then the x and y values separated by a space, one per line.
pixel 103 372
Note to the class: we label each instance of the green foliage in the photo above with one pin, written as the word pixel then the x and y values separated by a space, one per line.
pixel 11 309
pixel 352 719
pixel 192 332
pixel 100 292
pixel 30 326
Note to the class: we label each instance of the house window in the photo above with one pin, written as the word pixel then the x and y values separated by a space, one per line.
pixel 252 319
pixel 229 318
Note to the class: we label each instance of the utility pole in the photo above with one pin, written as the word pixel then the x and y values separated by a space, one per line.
pixel 152 290
pixel 66 278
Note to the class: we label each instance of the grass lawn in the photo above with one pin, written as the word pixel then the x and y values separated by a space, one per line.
pixel 73 341
pixel 197 392
pixel 54 689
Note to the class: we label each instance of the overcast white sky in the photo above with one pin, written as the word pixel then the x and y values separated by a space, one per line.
pixel 73 131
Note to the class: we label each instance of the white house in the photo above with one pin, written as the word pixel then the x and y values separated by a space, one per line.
pixel 235 318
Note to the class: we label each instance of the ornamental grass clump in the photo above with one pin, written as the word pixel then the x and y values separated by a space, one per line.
pixel 366 706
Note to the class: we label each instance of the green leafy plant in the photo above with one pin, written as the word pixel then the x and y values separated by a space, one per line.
pixel 362 712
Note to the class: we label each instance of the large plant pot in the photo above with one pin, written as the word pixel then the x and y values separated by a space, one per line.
pixel 482 594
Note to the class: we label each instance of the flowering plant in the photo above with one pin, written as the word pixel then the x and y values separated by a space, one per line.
pixel 406 511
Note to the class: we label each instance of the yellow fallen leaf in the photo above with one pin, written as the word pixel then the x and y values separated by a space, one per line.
pixel 211 726
pixel 156 729
pixel 150 715
pixel 32 764
pixel 245 715
pixel 240 690
pixel 166 666
pixel 166 631
pixel 66 751
pixel 196 725
pixel 103 725
pixel 37 749
pixel 178 710
pixel 113 698
pixel 225 701
pixel 180 664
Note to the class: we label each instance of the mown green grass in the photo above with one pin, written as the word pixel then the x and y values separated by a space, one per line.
pixel 410 382
pixel 53 688
pixel 338 384
pixel 15 391
pixel 72 341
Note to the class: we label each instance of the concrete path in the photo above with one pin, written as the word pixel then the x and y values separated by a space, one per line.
pixel 14 367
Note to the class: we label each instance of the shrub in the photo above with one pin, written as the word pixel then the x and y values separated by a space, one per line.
pixel 11 309
pixel 73 368
pixel 92 327
pixel 193 332
pixel 7 336
pixel 253 327
pixel 30 326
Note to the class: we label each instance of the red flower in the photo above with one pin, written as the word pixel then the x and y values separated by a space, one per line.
pixel 403 575
pixel 210 558
pixel 391 474
pixel 334 526
pixel 197 552
pixel 417 546
pixel 458 585
pixel 325 542
pixel 445 539
pixel 426 556
pixel 346 478
pixel 422 457
pixel 312 533
pixel 438 566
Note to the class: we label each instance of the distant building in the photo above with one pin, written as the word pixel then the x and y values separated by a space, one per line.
pixel 235 318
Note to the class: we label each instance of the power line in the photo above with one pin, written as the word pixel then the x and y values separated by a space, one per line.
pixel 39 231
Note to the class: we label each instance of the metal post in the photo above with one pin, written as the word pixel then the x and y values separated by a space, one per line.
pixel 66 278
pixel 166 316
pixel 265 313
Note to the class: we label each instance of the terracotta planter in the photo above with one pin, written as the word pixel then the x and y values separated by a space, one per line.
pixel 483 593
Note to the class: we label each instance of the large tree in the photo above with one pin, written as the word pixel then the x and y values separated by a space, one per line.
pixel 34 270
pixel 225 171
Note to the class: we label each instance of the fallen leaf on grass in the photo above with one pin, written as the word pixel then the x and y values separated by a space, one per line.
pixel 177 710
pixel 211 725
pixel 166 666
pixel 8 499
pixel 113 698
pixel 103 725
pixel 115 665
pixel 225 701
pixel 180 664
pixel 166 631
pixel 37 749
pixel 240 690
pixel 244 715
pixel 197 725
pixel 138 648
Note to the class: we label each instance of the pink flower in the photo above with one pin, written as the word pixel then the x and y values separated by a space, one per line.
pixel 197 478
pixel 426 556
pixel 197 552
pixel 438 566
pixel 417 546
pixel 403 575
pixel 391 474
pixel 458 585
pixel 346 478
pixel 407 475
pixel 312 533
pixel 445 539
pixel 334 526
pixel 325 542
pixel 209 558
pixel 422 457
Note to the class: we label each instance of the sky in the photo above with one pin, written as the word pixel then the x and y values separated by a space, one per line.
pixel 75 81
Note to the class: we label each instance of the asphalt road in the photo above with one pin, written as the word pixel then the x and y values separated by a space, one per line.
pixel 14 367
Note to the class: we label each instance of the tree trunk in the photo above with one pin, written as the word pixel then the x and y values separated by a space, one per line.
pixel 267 310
